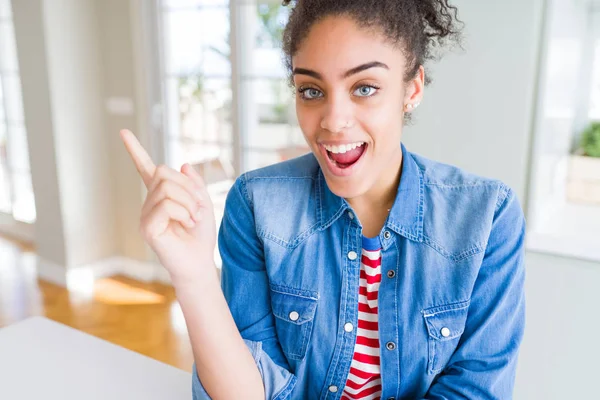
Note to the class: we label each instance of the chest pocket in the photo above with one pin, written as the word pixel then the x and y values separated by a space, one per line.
pixel 294 312
pixel 445 325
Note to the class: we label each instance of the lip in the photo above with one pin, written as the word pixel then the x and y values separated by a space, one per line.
pixel 334 169
pixel 339 143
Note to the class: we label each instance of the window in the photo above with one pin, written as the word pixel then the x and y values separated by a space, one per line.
pixel 228 106
pixel 563 215
pixel 16 193
pixel 201 93
pixel 197 82
pixel 594 111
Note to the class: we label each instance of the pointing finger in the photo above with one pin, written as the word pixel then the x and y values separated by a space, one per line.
pixel 140 157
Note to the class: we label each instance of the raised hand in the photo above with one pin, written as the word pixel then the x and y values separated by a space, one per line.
pixel 177 218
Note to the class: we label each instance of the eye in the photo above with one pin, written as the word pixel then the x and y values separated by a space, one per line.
pixel 365 91
pixel 310 93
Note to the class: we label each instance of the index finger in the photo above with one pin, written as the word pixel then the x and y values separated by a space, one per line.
pixel 140 157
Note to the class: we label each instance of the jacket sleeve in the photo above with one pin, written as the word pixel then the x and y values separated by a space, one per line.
pixel 245 285
pixel 484 363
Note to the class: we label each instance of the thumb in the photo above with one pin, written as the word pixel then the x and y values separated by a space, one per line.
pixel 191 173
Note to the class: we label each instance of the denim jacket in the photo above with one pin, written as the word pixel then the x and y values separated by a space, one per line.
pixel 451 299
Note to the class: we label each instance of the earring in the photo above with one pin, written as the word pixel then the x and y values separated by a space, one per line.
pixel 410 106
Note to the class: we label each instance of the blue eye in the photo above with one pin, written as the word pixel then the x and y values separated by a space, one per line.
pixel 310 93
pixel 365 91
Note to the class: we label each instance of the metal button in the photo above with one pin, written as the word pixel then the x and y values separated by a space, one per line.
pixel 387 234
pixel 352 255
pixel 348 327
pixel 391 273
pixel 390 345
pixel 445 332
pixel 391 398
pixel 350 215
pixel 333 389
pixel 294 316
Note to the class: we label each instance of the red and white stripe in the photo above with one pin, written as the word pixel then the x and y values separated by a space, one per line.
pixel 364 380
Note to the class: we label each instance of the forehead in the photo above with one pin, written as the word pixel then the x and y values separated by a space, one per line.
pixel 336 44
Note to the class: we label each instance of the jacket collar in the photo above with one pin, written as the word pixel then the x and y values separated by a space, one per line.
pixel 406 215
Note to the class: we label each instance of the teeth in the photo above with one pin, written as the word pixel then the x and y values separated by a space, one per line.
pixel 343 147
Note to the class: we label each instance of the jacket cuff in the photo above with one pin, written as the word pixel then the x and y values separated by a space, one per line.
pixel 278 381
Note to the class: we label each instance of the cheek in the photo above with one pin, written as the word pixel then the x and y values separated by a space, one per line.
pixel 308 119
pixel 382 122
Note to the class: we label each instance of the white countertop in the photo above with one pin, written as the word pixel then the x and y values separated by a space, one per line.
pixel 42 359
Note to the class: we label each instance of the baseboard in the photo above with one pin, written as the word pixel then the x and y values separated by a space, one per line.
pixel 87 274
pixel 51 272
pixel 139 270
pixel 18 230
pixel 84 275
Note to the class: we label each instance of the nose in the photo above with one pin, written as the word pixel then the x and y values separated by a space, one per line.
pixel 337 114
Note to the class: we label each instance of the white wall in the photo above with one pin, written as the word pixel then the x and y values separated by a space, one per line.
pixel 31 49
pixel 118 25
pixel 73 55
pixel 83 158
pixel 559 355
pixel 477 112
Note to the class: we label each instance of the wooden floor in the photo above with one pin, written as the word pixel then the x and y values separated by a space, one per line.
pixel 141 317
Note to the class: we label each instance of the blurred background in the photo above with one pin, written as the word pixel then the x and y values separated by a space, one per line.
pixel 202 81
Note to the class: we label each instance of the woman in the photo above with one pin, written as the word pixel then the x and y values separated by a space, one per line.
pixel 360 270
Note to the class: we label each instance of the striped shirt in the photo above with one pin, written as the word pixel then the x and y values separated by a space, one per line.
pixel 364 380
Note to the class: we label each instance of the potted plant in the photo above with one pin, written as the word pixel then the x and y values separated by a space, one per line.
pixel 584 169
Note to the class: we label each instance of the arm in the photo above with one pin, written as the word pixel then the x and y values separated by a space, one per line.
pixel 177 221
pixel 483 365
pixel 245 289
pixel 219 350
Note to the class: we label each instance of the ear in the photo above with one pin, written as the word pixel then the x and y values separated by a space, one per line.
pixel 414 89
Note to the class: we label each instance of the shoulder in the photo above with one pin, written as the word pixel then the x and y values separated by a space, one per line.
pixel 438 174
pixel 302 167
pixel 446 179
pixel 295 175
pixel 278 194
pixel 459 207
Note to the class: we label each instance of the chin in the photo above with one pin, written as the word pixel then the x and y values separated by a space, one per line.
pixel 347 187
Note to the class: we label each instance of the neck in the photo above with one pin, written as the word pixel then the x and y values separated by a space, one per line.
pixel 373 206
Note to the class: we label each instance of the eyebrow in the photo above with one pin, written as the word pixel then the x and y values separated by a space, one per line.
pixel 350 72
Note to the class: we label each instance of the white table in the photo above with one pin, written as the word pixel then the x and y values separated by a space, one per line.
pixel 42 359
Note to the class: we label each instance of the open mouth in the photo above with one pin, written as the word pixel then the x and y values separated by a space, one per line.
pixel 346 155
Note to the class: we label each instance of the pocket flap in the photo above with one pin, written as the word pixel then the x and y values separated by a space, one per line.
pixel 292 305
pixel 446 322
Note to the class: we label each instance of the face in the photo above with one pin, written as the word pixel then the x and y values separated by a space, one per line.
pixel 350 101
